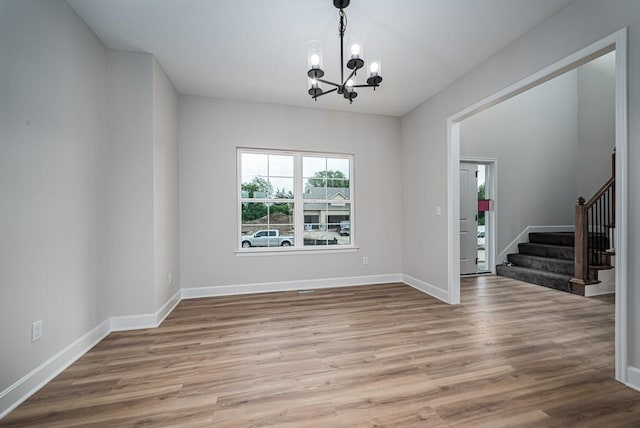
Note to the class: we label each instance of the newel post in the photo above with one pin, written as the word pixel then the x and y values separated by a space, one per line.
pixel 581 243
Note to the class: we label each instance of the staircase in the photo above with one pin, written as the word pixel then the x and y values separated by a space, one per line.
pixel 567 261
pixel 548 260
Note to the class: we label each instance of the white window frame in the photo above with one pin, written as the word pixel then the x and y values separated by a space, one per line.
pixel 298 203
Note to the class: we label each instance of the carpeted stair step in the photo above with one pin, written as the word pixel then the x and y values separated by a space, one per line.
pixel 546 279
pixel 565 239
pixel 564 267
pixel 548 264
pixel 545 250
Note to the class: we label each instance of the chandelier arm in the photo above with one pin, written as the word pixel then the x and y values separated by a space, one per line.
pixel 366 86
pixel 325 93
pixel 329 83
pixel 344 82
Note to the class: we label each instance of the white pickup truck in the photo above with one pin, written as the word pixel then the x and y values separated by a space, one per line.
pixel 267 238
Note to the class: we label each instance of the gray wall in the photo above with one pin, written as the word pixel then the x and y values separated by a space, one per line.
pixel 534 136
pixel 143 186
pixel 53 178
pixel 88 176
pixel 210 132
pixel 131 228
pixel 596 123
pixel 165 187
pixel 424 133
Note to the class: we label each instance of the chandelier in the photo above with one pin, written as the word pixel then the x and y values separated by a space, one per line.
pixel 347 86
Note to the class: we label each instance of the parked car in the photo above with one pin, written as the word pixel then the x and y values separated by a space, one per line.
pixel 266 238
pixel 345 228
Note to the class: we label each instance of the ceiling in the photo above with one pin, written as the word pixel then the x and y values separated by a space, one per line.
pixel 256 50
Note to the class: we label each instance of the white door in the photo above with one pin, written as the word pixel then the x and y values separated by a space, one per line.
pixel 468 218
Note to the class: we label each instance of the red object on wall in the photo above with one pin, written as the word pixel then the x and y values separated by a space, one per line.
pixel 483 205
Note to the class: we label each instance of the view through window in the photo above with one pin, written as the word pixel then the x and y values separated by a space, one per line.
pixel 294 199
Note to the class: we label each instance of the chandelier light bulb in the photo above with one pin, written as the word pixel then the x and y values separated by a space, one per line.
pixel 355 50
pixel 374 68
pixel 315 61
pixel 350 82
pixel 314 83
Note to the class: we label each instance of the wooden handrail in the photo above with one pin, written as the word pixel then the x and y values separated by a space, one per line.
pixel 610 182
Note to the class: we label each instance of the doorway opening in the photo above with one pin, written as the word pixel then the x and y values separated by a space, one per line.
pixel 618 42
pixel 477 216
pixel 484 228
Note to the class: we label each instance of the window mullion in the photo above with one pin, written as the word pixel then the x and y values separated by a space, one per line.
pixel 297 198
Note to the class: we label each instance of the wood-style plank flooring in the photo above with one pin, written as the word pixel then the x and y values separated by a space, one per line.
pixel 511 355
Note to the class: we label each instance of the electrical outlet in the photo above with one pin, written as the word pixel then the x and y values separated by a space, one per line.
pixel 438 210
pixel 36 331
pixel 365 260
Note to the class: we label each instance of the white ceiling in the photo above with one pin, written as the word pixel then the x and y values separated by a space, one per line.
pixel 257 49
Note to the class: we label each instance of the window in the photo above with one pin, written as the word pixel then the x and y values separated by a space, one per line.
pixel 294 199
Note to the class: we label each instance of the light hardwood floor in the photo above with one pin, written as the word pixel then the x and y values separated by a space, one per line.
pixel 512 354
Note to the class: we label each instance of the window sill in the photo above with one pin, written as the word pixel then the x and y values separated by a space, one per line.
pixel 293 251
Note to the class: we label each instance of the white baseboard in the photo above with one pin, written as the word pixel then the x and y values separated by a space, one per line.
pixel 524 237
pixel 271 287
pixel 426 288
pixel 168 307
pixel 30 383
pixel 133 322
pixel 599 289
pixel 633 378
pixel 138 322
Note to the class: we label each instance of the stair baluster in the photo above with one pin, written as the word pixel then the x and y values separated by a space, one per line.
pixel 593 240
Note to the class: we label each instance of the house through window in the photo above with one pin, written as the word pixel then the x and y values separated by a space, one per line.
pixel 294 199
